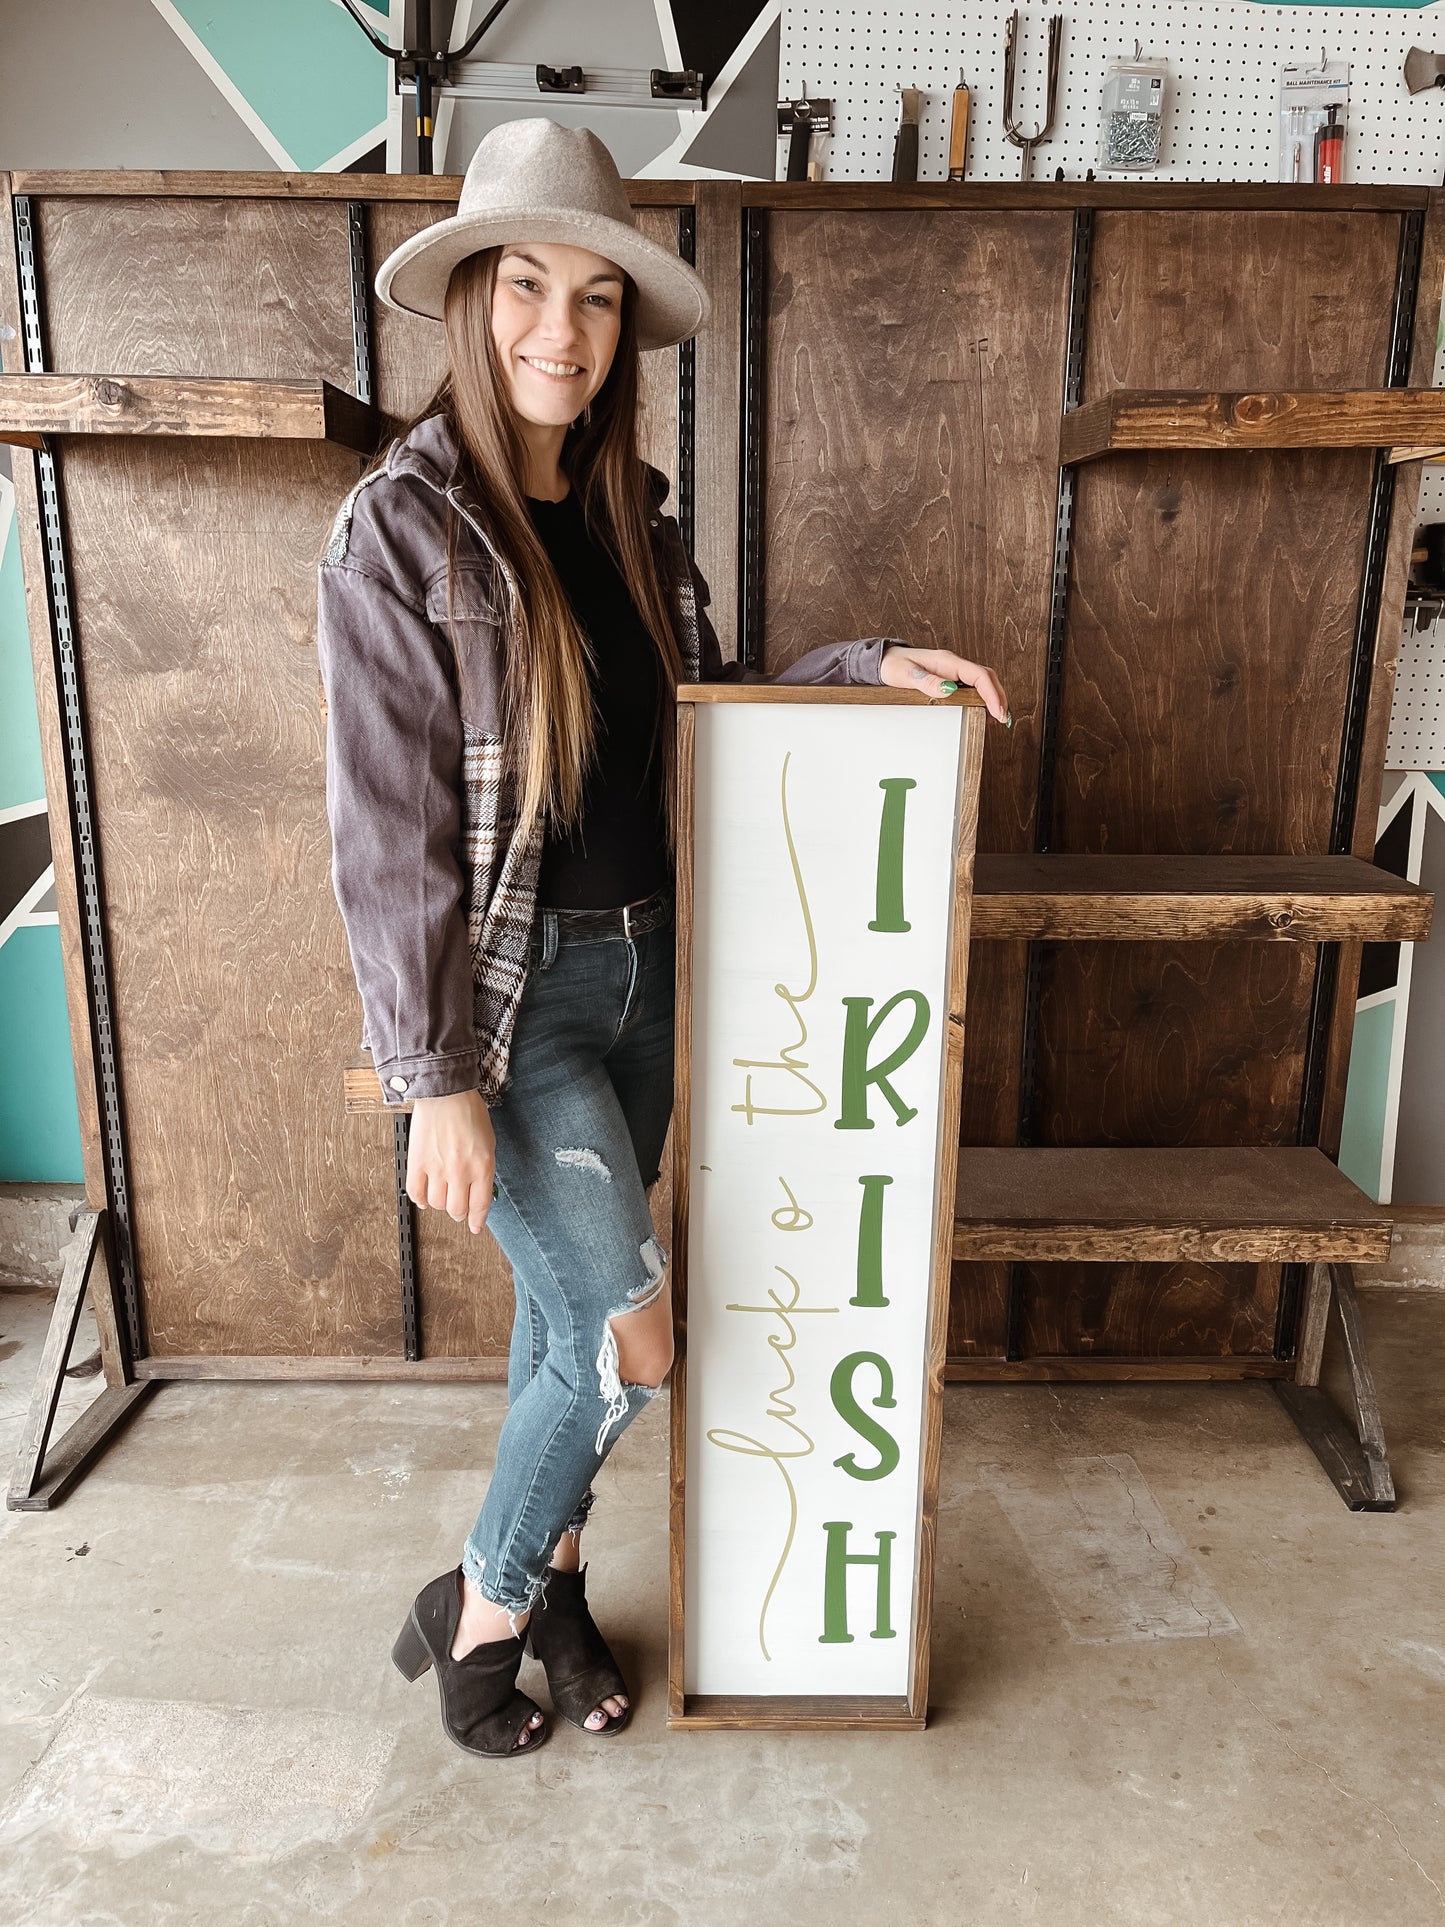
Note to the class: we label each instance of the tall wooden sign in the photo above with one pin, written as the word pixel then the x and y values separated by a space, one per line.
pixel 825 875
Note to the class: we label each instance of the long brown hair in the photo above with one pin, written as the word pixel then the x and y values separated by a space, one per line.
pixel 548 717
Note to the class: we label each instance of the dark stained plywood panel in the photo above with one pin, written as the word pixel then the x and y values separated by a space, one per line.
pixel 197 287
pixel 1148 1311
pixel 1229 299
pixel 1172 1044
pixel 1211 612
pixel 978 1297
pixel 262 1213
pixel 914 381
pixel 657 393
pixel 978 1310
pixel 997 973
pixel 464 1290
pixel 408 352
pixel 1164 1044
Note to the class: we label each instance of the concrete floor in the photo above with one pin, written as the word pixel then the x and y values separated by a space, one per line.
pixel 1174 1679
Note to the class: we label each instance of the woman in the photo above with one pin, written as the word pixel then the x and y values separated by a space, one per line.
pixel 504 614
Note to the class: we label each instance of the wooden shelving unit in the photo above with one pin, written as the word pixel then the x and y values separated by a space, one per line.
pixel 1199 653
pixel 33 407
pixel 1410 422
pixel 1262 1205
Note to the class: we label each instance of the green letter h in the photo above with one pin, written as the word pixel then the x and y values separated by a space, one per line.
pixel 835 1583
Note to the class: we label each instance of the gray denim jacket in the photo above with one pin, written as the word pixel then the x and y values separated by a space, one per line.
pixel 437 889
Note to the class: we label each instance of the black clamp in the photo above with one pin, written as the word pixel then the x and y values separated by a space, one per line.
pixel 688 84
pixel 560 80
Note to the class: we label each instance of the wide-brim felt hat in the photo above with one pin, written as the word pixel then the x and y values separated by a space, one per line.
pixel 535 180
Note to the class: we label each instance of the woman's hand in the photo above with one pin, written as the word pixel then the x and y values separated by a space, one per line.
pixel 451 1157
pixel 904 667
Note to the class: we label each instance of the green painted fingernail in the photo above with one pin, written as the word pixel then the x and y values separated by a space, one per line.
pixel 948 688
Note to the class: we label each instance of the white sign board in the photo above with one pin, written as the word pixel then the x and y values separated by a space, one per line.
pixel 824 904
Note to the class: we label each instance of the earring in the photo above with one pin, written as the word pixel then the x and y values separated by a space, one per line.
pixel 587 416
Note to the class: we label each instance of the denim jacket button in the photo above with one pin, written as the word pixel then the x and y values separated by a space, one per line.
pixel 397 1083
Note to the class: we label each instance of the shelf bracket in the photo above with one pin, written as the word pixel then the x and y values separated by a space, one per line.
pixel 1351 1450
pixel 46 1469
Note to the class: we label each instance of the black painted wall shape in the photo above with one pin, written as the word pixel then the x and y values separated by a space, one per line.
pixel 709 31
pixel 24 856
pixel 1380 962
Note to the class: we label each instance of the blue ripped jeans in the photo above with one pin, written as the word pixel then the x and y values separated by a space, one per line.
pixel 579 1130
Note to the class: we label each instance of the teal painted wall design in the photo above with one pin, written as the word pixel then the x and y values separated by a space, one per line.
pixel 22 779
pixel 39 1117
pixel 1367 1098
pixel 300 73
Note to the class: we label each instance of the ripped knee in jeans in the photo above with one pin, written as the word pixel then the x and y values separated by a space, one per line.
pixel 636 1352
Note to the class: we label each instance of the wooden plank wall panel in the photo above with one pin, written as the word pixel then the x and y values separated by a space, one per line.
pixel 914 378
pixel 464 1284
pixel 1220 299
pixel 263 1214
pixel 1210 622
pixel 1149 1311
pixel 1210 619
pixel 408 353
pixel 197 287
pixel 657 421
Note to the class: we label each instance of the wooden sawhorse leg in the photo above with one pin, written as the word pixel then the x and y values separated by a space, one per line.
pixel 1354 1458
pixel 45 1472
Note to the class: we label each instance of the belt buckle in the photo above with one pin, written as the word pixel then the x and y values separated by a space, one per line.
pixel 627 919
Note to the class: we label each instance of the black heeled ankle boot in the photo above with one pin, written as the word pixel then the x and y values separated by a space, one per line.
pixel 581 1671
pixel 482 1710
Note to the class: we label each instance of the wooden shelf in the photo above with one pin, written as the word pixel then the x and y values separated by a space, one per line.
pixel 361 1087
pixel 34 406
pixel 1408 421
pixel 1251 1205
pixel 1164 899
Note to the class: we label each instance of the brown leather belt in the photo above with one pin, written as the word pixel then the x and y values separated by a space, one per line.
pixel 627 920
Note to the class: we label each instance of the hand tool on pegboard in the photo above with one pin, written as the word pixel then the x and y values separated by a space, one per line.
pixel 958 133
pixel 1424 70
pixel 800 119
pixel 1028 142
pixel 905 141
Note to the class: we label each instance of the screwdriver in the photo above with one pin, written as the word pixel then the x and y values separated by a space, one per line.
pixel 958 132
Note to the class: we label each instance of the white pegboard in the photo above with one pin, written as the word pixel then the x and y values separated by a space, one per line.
pixel 1417 712
pixel 1221 124
pixel 1221 121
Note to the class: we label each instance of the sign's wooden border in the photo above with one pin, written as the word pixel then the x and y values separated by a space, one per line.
pixel 818 1710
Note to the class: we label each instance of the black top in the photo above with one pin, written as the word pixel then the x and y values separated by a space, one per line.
pixel 618 851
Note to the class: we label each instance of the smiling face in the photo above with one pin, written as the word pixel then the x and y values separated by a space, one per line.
pixel 556 318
